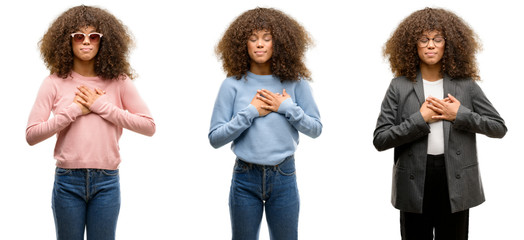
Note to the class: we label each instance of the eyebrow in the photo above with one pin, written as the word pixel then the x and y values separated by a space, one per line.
pixel 426 36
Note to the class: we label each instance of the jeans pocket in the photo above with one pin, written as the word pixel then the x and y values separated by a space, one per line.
pixel 62 171
pixel 110 172
pixel 287 170
pixel 240 167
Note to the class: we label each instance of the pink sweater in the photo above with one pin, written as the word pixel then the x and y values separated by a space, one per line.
pixel 91 140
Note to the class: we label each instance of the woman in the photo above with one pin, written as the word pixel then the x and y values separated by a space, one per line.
pixel 431 113
pixel 261 107
pixel 92 97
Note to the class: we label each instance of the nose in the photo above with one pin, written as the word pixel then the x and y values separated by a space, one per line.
pixel 431 43
pixel 260 44
pixel 86 40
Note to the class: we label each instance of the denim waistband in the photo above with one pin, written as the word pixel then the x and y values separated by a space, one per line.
pixel 86 169
pixel 436 161
pixel 251 165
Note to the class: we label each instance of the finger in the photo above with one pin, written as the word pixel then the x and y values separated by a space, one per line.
pixel 436 102
pixel 81 95
pixel 81 101
pixel 435 109
pixel 266 107
pixel 100 91
pixel 260 93
pixel 265 100
pixel 453 99
pixel 284 93
pixel 83 90
pixel 268 94
pixel 88 91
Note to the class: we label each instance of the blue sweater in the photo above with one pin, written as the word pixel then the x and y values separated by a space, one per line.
pixel 264 140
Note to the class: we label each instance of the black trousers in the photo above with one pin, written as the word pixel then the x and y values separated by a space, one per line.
pixel 436 217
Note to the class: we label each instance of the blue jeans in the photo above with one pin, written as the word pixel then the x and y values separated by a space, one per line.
pixel 86 199
pixel 255 187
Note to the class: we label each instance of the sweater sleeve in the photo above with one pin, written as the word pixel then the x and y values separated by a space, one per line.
pixel 134 116
pixel 303 114
pixel 39 125
pixel 226 127
pixel 483 118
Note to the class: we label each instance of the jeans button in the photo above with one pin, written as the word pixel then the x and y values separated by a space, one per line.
pixel 411 176
pixel 457 176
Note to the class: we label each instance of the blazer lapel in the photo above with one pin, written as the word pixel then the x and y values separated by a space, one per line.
pixel 449 87
pixel 418 85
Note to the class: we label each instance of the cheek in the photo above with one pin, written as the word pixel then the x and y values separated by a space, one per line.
pixel 96 49
pixel 270 50
pixel 76 49
pixel 420 56
pixel 420 52
pixel 441 52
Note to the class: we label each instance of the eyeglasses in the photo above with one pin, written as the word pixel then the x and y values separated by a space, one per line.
pixel 93 37
pixel 437 41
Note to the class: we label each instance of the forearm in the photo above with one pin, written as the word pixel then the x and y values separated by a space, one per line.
pixel 39 129
pixel 480 116
pixel 137 121
pixel 304 123
pixel 387 135
pixel 489 125
pixel 223 131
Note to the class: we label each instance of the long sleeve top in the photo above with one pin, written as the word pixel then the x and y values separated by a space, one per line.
pixel 91 140
pixel 266 140
pixel 400 125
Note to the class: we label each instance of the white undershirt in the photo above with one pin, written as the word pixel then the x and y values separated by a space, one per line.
pixel 436 136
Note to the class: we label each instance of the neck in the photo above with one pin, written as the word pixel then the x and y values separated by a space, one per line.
pixel 260 68
pixel 431 72
pixel 84 68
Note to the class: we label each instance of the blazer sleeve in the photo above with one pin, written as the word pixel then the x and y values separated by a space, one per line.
pixel 483 118
pixel 389 131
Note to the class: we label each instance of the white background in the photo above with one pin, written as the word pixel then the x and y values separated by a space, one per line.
pixel 175 185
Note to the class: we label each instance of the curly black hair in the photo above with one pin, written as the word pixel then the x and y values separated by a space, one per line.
pixel 290 41
pixel 459 53
pixel 111 61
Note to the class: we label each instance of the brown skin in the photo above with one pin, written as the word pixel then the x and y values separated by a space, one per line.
pixel 430 57
pixel 272 100
pixel 458 61
pixel 446 108
pixel 430 68
pixel 260 51
pixel 84 64
pixel 84 54
pixel 455 57
pixel 259 105
pixel 110 62
pixel 289 39
pixel 265 41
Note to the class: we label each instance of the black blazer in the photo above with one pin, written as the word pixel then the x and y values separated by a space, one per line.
pixel 401 126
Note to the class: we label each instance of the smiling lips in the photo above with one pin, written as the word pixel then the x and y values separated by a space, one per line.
pixel 431 54
pixel 260 53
